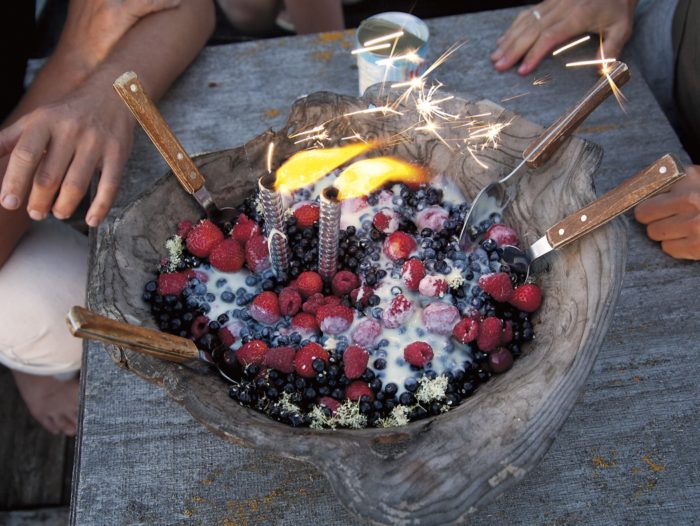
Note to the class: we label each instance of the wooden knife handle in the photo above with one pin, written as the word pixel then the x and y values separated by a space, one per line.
pixel 83 323
pixel 129 88
pixel 544 146
pixel 654 178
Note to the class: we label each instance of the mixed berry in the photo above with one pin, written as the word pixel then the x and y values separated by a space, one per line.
pixel 408 327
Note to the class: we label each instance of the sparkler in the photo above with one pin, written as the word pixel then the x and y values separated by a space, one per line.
pixel 328 233
pixel 274 225
pixel 571 45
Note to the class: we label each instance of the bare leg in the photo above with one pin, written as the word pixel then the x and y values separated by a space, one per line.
pixel 251 16
pixel 53 403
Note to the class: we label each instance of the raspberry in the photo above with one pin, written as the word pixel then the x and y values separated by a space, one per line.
pixel 226 337
pixel 304 359
pixel 357 390
pixel 200 326
pixel 433 286
pixel 280 359
pixel 399 245
pixel 331 403
pixel 196 274
pixel 183 228
pixel 309 283
pixel 366 332
pixel 355 360
pixel 244 229
pixel 440 317
pixel 305 324
pixel 400 310
pixel 265 308
pixel 386 220
pixel 500 360
pixel 171 283
pixel 507 335
pixel 360 296
pixel 306 213
pixel 289 301
pixel 432 217
pixel 344 282
pixel 317 301
pixel 497 285
pixel 412 272
pixel 252 352
pixel 203 237
pixel 526 297
pixel 418 354
pixel 227 256
pixel 334 319
pixel 489 334
pixel 257 256
pixel 466 330
pixel 502 235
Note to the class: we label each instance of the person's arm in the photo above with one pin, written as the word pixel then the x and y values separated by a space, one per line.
pixel 313 16
pixel 673 217
pixel 540 29
pixel 55 149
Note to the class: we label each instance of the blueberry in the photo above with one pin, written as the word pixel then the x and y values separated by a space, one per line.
pixel 220 282
pixel 380 363
pixel 390 389
pixel 252 280
pixel 151 286
pixel 407 398
pixel 410 384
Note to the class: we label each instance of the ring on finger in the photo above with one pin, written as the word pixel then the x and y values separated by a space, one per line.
pixel 536 14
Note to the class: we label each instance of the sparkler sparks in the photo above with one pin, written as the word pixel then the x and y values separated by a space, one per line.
pixel 367 49
pixel 384 38
pixel 541 81
pixel 571 44
pixel 270 154
pixel 599 62
pixel 515 96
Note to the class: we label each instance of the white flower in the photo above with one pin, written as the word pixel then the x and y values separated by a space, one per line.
pixel 429 390
pixel 174 246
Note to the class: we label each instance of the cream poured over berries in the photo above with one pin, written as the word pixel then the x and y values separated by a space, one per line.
pixel 408 327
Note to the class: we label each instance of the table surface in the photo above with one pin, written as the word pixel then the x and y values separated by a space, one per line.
pixel 628 453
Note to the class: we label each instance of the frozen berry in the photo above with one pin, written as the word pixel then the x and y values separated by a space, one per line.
pixel 203 237
pixel 497 285
pixel 334 319
pixel 399 245
pixel 433 286
pixel 244 229
pixel 304 359
pixel 386 220
pixel 355 360
pixel 289 301
pixel 305 324
pixel 252 353
pixel 502 235
pixel 265 308
pixel 432 217
pixel 309 283
pixel 399 311
pixel 440 317
pixel 257 255
pixel 412 272
pixel 227 256
pixel 344 282
pixel 418 354
pixel 366 332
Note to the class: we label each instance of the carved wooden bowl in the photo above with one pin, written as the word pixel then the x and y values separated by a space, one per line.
pixel 434 471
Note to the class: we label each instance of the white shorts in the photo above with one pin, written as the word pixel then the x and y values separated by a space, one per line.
pixel 45 275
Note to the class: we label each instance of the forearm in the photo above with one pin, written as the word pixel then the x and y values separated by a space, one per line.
pixel 312 16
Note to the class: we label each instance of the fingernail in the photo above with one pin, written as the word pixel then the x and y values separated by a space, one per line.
pixel 11 202
pixel 496 55
pixel 522 69
pixel 36 215
pixel 58 215
pixel 501 63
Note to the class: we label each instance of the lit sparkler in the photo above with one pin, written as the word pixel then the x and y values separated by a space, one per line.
pixel 598 62
pixel 571 45
pixel 370 48
pixel 384 38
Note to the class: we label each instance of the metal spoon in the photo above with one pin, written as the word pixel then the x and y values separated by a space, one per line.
pixel 651 180
pixel 131 91
pixel 86 324
pixel 498 194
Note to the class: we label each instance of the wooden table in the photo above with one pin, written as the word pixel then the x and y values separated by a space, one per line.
pixel 629 452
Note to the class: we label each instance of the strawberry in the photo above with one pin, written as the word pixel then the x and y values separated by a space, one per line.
pixel 305 324
pixel 433 286
pixel 334 319
pixel 200 326
pixel 227 256
pixel 289 301
pixel 203 237
pixel 360 295
pixel 252 352
pixel 412 272
pixel 399 245
pixel 280 358
pixel 418 354
pixel 432 217
pixel 257 256
pixel 489 334
pixel 527 297
pixel 226 336
pixel 497 285
pixel 244 229
pixel 265 308
pixel 172 283
pixel 306 213
pixel 355 359
pixel 344 282
pixel 357 390
pixel 400 310
pixel 466 330
pixel 304 359
pixel 386 220
pixel 183 228
pixel 502 235
pixel 440 317
pixel 309 283
pixel 366 332
pixel 500 360
pixel 317 301
pixel 331 403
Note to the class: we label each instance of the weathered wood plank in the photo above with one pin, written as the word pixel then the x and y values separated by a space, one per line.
pixel 628 452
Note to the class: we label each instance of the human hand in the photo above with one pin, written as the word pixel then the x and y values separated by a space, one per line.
pixel 559 21
pixel 673 217
pixel 55 150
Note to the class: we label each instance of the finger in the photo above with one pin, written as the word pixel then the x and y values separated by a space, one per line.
pixel 661 206
pixel 674 227
pixel 516 46
pixel 142 8
pixel 50 424
pixel 546 42
pixel 24 159
pixel 47 180
pixel 9 137
pixel 107 189
pixel 682 248
pixel 506 38
pixel 77 181
pixel 614 40
pixel 65 425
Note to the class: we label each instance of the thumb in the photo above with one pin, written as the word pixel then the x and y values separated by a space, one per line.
pixel 9 137
pixel 141 8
